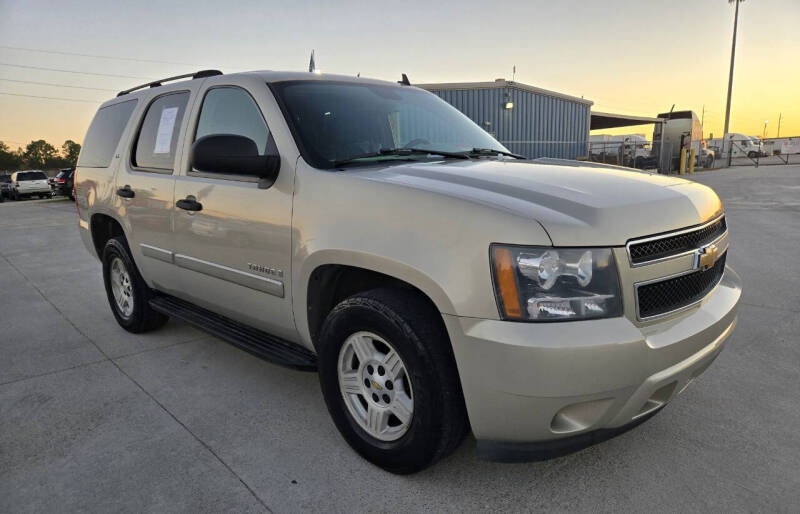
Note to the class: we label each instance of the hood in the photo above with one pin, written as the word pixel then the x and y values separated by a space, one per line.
pixel 577 205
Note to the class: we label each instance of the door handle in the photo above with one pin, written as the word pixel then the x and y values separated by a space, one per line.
pixel 126 192
pixel 189 204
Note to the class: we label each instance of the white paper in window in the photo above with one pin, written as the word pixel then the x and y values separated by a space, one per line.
pixel 165 127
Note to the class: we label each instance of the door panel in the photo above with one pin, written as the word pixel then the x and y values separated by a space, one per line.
pixel 233 255
pixel 145 186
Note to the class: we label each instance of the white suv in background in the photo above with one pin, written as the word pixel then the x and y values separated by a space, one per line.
pixel 29 183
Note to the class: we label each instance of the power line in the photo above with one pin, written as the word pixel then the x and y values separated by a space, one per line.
pixel 54 98
pixel 116 58
pixel 75 72
pixel 56 84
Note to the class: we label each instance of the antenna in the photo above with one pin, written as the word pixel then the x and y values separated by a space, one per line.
pixel 404 81
pixel 311 65
pixel 514 73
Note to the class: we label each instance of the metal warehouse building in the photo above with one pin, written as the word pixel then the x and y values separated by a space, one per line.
pixel 528 120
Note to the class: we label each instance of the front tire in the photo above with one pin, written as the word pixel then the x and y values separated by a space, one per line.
pixel 128 294
pixel 389 380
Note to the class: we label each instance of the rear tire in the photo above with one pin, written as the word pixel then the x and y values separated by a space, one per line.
pixel 128 294
pixel 396 323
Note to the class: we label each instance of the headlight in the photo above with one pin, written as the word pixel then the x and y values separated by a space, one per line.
pixel 553 284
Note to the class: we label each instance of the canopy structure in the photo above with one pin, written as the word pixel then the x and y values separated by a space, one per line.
pixel 607 120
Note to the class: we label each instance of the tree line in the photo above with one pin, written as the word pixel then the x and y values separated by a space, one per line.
pixel 39 155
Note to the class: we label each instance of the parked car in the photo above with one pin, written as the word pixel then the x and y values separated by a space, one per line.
pixel 29 183
pixel 370 231
pixel 705 156
pixel 5 186
pixel 62 182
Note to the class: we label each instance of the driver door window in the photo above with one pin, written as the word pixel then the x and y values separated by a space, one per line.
pixel 231 110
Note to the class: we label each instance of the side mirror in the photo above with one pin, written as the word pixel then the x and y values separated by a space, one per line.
pixel 234 155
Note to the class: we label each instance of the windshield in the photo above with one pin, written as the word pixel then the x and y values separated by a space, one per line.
pixel 338 121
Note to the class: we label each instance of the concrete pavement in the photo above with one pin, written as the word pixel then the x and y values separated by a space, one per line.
pixel 93 418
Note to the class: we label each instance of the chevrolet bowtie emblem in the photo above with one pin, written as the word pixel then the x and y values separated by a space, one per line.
pixel 706 257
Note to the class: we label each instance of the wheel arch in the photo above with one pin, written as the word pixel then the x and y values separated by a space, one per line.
pixel 329 277
pixel 103 227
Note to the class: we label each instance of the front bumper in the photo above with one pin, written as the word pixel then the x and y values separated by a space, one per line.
pixel 539 382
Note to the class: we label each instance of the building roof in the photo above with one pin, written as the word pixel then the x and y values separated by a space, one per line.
pixel 501 84
pixel 607 120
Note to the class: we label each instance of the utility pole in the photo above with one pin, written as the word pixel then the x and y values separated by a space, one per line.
pixel 730 84
pixel 703 119
pixel 780 115
pixel 730 77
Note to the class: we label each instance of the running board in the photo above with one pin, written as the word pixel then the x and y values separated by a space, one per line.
pixel 251 340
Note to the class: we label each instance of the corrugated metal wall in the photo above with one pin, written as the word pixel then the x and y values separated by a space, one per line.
pixel 538 126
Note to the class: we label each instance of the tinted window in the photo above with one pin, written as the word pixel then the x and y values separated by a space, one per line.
pixel 230 110
pixel 337 121
pixel 158 137
pixel 31 175
pixel 103 136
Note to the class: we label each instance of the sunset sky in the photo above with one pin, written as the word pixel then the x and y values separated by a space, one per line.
pixel 629 57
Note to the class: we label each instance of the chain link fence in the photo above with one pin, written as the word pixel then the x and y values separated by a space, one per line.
pixel 664 158
pixel 752 151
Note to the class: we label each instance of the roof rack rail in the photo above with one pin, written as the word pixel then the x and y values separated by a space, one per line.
pixel 197 75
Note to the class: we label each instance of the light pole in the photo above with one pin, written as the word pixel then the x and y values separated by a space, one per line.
pixel 764 135
pixel 730 76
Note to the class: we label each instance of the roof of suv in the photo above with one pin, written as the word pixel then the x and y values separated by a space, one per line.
pixel 265 75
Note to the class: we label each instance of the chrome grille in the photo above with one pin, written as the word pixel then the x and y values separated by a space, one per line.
pixel 664 296
pixel 660 247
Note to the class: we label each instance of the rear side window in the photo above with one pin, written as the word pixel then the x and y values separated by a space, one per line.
pixel 103 136
pixel 158 137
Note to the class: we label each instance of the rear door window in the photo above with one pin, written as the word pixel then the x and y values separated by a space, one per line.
pixel 103 136
pixel 32 175
pixel 158 136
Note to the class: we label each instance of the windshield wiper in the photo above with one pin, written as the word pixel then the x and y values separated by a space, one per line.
pixel 402 152
pixel 492 151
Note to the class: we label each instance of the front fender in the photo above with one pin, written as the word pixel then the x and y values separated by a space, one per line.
pixel 377 263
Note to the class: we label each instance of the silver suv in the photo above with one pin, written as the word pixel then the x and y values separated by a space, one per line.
pixel 371 232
